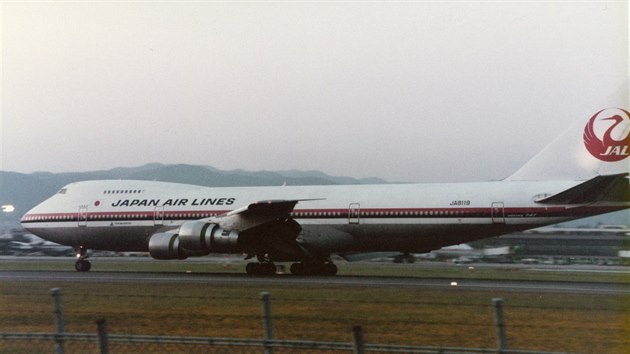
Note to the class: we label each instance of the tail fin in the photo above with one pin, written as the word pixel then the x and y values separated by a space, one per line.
pixel 599 146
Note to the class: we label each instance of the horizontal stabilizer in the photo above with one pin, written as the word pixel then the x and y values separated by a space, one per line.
pixel 611 188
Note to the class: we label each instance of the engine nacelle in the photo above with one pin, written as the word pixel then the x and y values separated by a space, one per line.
pixel 207 237
pixel 166 246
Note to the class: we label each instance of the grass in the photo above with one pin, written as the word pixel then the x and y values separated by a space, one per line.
pixel 454 317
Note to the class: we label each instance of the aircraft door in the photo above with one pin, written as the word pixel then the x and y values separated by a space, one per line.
pixel 354 212
pixel 158 216
pixel 498 213
pixel 83 215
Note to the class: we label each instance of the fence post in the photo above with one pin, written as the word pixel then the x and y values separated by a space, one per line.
pixel 266 303
pixel 56 296
pixel 101 328
pixel 358 346
pixel 500 324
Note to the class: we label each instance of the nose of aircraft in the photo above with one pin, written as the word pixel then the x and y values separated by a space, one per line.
pixel 40 222
pixel 28 218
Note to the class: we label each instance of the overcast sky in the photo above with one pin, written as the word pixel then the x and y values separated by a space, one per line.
pixel 410 91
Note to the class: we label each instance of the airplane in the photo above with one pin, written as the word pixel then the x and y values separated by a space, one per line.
pixel 582 173
pixel 34 244
pixel 464 253
pixel 5 243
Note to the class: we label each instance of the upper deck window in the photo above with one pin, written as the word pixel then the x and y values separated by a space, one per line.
pixel 127 191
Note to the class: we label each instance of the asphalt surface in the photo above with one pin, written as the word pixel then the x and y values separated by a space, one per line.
pixel 337 281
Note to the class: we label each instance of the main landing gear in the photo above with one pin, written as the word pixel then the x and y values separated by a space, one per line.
pixel 328 269
pixel 264 268
pixel 268 268
pixel 82 264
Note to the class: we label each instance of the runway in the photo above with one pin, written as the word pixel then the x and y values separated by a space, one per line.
pixel 44 272
pixel 337 281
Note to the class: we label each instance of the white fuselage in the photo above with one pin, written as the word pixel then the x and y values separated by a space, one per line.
pixel 122 215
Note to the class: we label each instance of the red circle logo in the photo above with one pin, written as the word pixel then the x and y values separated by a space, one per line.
pixel 607 135
pixel 97 203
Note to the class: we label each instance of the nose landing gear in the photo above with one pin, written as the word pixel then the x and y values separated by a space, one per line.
pixel 82 264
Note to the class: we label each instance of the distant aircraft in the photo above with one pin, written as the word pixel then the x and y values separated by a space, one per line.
pixel 464 253
pixel 458 252
pixel 583 173
pixel 619 230
pixel 5 243
pixel 34 245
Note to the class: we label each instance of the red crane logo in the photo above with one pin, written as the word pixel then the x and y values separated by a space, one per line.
pixel 600 133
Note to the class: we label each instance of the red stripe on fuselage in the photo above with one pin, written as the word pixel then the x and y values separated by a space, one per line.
pixel 376 213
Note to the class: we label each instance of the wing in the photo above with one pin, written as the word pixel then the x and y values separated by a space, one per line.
pixel 255 214
pixel 264 229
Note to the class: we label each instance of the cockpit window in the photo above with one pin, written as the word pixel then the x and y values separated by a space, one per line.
pixel 62 191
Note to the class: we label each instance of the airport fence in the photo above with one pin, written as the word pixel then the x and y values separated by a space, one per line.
pixel 104 342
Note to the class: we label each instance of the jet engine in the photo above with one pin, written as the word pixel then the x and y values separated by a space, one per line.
pixel 166 246
pixel 194 238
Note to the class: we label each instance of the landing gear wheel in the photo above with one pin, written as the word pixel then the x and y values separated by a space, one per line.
pixel 252 268
pixel 260 269
pixel 82 265
pixel 268 268
pixel 329 269
pixel 297 269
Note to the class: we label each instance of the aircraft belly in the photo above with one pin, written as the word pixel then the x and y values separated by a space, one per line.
pixel 416 238
pixel 61 235
pixel 131 239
